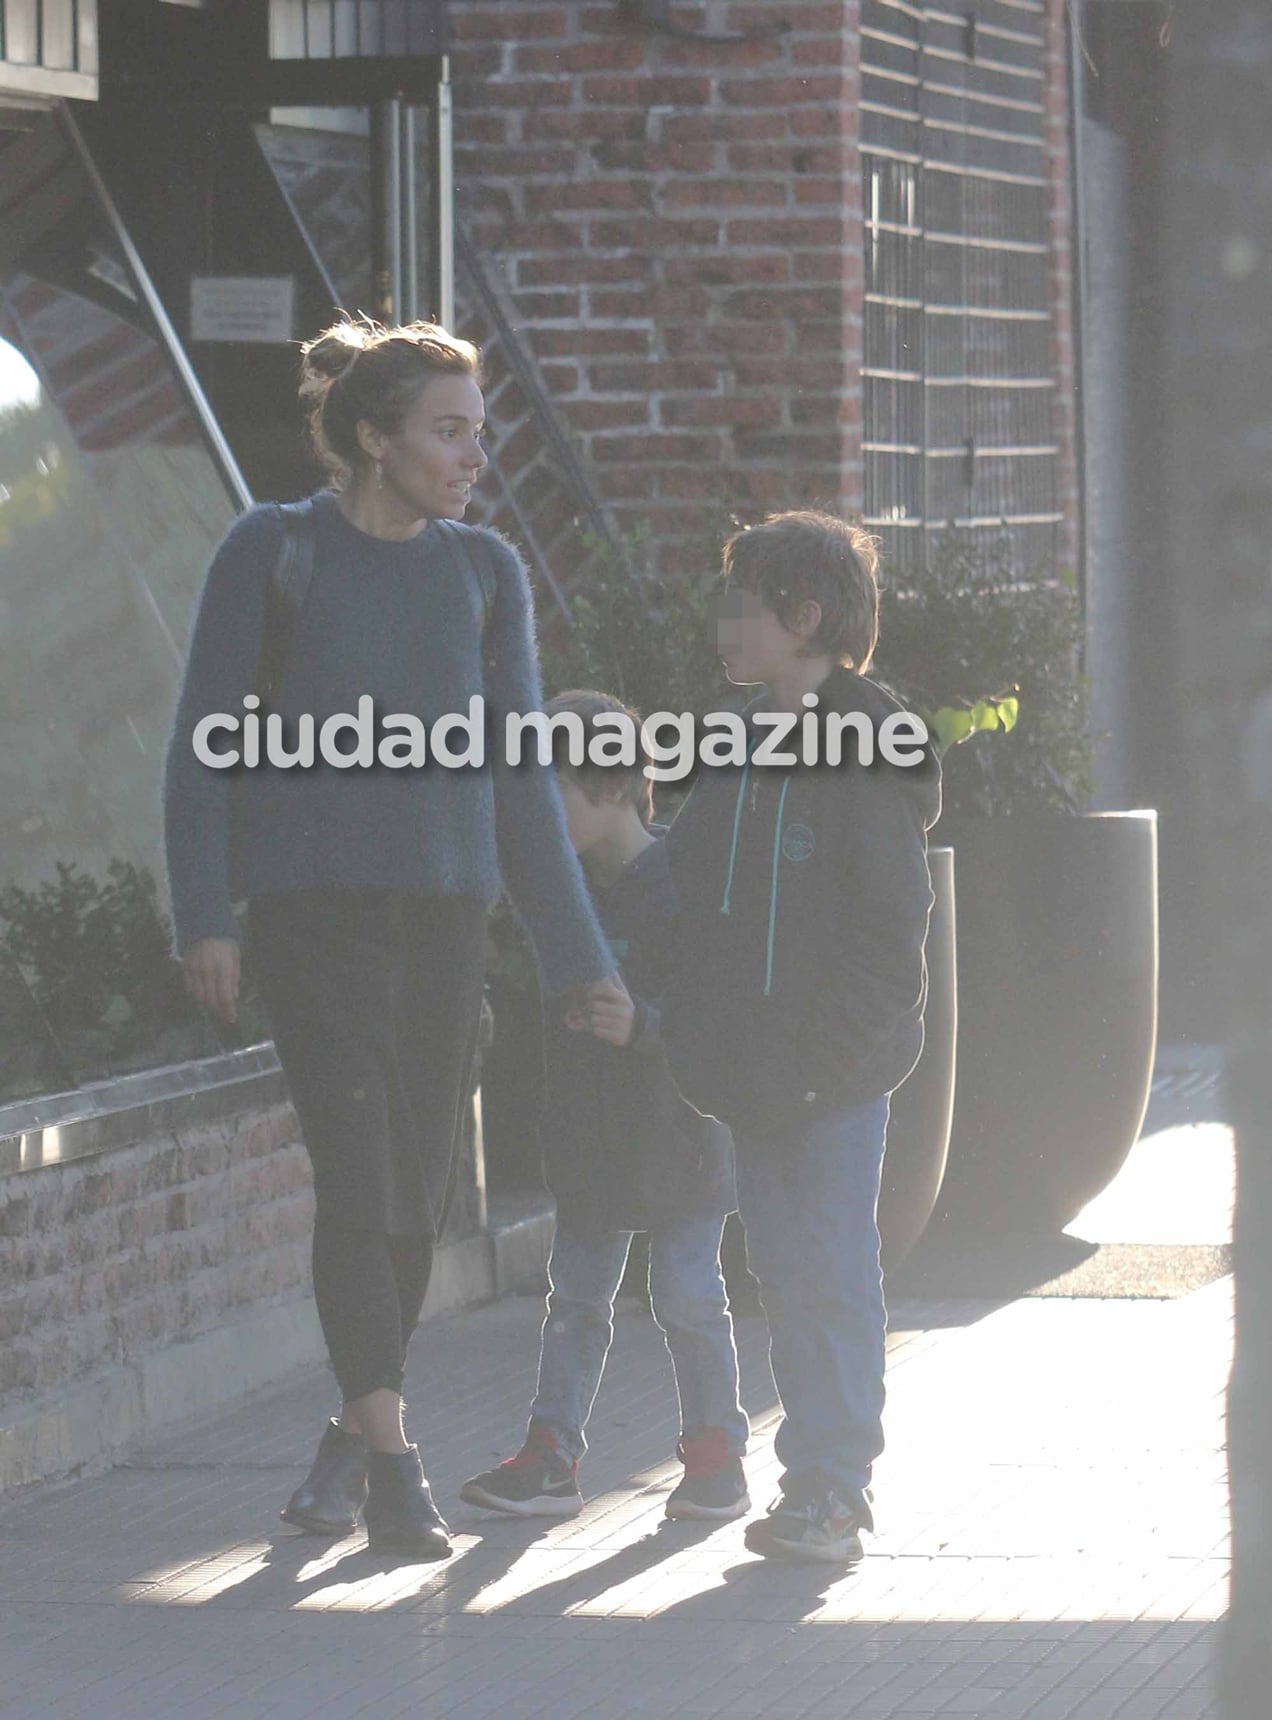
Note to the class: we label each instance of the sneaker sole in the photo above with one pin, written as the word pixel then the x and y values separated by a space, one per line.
pixel 540 1507
pixel 800 1552
pixel 686 1511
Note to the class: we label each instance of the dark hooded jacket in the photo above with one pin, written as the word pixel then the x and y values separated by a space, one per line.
pixel 621 1148
pixel 804 895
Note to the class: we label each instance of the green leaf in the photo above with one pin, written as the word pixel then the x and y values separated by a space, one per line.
pixel 984 715
pixel 949 725
pixel 1008 711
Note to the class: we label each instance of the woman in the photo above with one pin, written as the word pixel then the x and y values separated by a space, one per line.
pixel 368 887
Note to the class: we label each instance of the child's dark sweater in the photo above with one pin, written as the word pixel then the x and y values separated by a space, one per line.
pixel 622 1150
pixel 803 896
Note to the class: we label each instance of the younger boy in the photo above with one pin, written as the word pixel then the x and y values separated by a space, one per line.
pixel 623 1152
pixel 797 1002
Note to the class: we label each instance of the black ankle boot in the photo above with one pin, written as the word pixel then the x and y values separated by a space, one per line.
pixel 401 1516
pixel 328 1500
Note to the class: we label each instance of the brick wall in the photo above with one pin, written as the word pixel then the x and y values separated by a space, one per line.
pixel 106 1259
pixel 677 228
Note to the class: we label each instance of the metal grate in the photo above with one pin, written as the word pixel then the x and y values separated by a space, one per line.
pixel 957 363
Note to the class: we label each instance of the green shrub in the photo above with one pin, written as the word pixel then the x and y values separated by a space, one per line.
pixel 648 641
pixel 970 629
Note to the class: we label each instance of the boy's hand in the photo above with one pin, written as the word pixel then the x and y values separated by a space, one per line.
pixel 576 1009
pixel 611 1014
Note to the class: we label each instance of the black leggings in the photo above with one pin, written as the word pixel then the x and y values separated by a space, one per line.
pixel 374 998
pixel 369 1289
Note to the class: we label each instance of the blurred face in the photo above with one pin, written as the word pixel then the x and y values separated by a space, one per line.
pixel 432 461
pixel 754 645
pixel 586 821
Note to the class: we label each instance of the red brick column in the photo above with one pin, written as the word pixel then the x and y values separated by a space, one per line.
pixel 678 227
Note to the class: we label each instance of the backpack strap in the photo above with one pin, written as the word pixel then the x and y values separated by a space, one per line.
pixel 473 548
pixel 289 582
pixel 483 561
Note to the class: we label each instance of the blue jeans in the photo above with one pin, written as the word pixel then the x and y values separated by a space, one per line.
pixel 690 1305
pixel 809 1198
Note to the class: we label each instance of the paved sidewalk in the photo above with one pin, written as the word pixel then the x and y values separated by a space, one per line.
pixel 1051 1547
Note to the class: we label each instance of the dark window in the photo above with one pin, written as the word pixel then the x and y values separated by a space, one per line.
pixel 110 506
pixel 317 29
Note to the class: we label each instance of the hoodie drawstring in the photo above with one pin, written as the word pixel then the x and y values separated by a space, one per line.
pixel 777 863
pixel 737 825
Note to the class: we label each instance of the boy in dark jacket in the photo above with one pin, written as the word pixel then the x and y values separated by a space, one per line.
pixel 624 1152
pixel 797 1002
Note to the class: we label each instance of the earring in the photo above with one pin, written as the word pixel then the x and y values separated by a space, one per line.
pixel 379 474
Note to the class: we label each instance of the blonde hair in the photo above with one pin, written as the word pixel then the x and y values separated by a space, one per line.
pixel 359 369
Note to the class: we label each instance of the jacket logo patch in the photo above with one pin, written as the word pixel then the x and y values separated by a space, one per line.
pixel 797 841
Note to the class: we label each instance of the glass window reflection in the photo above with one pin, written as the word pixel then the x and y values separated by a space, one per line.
pixel 110 506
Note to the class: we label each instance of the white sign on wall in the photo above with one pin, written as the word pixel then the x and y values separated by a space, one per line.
pixel 256 308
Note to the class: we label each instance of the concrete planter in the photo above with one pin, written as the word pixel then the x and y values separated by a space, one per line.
pixel 923 1106
pixel 1058 1012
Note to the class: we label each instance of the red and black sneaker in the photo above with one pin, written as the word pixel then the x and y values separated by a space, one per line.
pixel 537 1482
pixel 810 1523
pixel 714 1485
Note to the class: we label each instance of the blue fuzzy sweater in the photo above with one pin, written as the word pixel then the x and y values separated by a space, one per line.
pixel 401 621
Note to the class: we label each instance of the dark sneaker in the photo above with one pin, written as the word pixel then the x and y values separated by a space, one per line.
pixel 814 1526
pixel 537 1482
pixel 714 1485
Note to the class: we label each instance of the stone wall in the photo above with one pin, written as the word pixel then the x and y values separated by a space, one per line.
pixel 104 1258
pixel 149 1284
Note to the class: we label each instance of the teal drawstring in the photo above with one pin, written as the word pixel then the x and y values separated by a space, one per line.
pixel 777 861
pixel 737 825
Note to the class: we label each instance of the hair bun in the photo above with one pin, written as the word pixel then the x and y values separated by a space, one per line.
pixel 332 354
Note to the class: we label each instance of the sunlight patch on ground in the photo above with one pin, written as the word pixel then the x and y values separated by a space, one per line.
pixel 949 1589
pixel 381 1588
pixel 193 1584
pixel 1177 1187
pixel 677 1580
pixel 536 1569
pixel 312 1569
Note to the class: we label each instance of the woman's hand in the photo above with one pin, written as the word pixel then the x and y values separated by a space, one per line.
pixel 211 969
